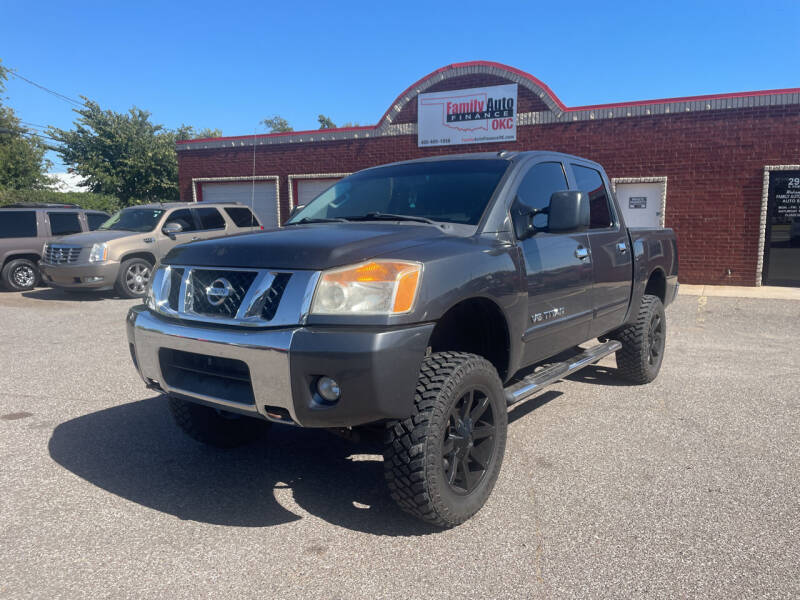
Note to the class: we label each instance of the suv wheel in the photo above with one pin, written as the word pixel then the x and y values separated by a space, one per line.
pixel 639 359
pixel 20 275
pixel 216 427
pixel 442 462
pixel 134 275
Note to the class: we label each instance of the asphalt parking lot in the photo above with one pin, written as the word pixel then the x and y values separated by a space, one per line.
pixel 689 486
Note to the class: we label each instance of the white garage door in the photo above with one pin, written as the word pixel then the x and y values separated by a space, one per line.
pixel 641 203
pixel 262 194
pixel 308 189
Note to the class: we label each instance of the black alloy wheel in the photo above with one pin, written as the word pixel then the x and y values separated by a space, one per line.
pixel 468 447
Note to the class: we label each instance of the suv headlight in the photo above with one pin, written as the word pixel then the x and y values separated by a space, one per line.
pixel 99 253
pixel 376 287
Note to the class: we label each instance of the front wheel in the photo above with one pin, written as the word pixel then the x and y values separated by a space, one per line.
pixel 134 275
pixel 643 342
pixel 20 275
pixel 442 462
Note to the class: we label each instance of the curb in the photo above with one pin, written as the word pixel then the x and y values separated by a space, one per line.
pixel 734 291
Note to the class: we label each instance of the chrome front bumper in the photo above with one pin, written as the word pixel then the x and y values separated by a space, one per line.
pixel 376 368
pixel 264 352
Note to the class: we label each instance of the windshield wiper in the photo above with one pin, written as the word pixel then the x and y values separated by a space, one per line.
pixel 305 220
pixel 378 216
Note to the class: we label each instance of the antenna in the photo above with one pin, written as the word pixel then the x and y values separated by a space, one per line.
pixel 253 188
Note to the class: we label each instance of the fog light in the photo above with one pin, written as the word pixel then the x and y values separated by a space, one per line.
pixel 92 279
pixel 328 388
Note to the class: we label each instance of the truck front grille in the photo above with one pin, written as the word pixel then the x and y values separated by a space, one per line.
pixel 214 376
pixel 235 285
pixel 61 255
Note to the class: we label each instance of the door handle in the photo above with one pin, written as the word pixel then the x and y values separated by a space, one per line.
pixel 581 252
pixel 194 238
pixel 622 247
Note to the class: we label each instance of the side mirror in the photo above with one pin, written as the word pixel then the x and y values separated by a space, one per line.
pixel 296 210
pixel 568 212
pixel 172 228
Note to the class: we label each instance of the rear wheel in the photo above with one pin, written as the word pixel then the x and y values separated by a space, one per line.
pixel 442 462
pixel 134 275
pixel 216 427
pixel 643 342
pixel 20 274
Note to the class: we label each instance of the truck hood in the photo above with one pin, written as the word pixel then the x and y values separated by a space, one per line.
pixel 93 237
pixel 313 246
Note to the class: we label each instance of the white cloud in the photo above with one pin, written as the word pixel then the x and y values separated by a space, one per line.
pixel 67 182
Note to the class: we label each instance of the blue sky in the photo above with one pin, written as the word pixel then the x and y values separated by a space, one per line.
pixel 228 64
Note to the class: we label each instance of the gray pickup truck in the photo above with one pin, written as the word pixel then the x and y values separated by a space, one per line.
pixel 422 298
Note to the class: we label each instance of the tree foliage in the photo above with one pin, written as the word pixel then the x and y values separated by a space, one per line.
pixel 277 124
pixel 22 161
pixel 326 122
pixel 124 155
pixel 109 204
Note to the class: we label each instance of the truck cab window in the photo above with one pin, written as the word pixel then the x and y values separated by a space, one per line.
pixel 184 217
pixel 539 184
pixel 590 181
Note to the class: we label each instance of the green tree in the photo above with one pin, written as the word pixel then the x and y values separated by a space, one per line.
pixel 326 122
pixel 124 154
pixel 277 124
pixel 349 124
pixel 22 162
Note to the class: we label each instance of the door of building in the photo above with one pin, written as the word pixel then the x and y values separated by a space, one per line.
pixel 782 236
pixel 641 203
pixel 260 196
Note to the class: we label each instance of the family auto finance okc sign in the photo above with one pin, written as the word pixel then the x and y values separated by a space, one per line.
pixel 474 116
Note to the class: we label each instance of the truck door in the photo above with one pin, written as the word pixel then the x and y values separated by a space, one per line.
pixel 611 253
pixel 558 272
pixel 211 222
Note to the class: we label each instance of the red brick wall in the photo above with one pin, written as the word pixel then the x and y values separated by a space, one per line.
pixel 713 161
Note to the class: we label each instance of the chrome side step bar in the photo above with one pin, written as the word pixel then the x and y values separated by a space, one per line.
pixel 535 383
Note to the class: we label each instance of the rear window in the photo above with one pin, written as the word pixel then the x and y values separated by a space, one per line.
pixel 17 223
pixel 242 216
pixel 64 223
pixel 95 220
pixel 210 218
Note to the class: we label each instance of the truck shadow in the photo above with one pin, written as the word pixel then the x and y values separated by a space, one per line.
pixel 135 452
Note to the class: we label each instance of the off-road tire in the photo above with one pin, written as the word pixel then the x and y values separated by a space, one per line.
pixel 20 275
pixel 415 463
pixel 215 428
pixel 639 360
pixel 121 285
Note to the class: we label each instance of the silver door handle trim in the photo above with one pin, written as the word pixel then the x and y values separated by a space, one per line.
pixel 581 252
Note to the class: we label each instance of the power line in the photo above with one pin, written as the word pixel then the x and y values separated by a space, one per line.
pixel 48 90
pixel 34 125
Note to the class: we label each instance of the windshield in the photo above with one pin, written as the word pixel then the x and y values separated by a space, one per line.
pixel 134 219
pixel 449 191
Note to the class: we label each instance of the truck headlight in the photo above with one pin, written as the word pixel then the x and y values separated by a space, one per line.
pixel 99 253
pixel 377 287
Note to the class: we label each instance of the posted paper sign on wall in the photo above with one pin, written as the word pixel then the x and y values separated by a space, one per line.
pixel 474 116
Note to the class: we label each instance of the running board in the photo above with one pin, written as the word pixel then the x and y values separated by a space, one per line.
pixel 552 373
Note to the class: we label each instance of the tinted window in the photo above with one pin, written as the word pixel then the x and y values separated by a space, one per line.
pixel 64 223
pixel 451 191
pixel 95 220
pixel 539 184
pixel 242 216
pixel 17 223
pixel 184 217
pixel 210 218
pixel 591 182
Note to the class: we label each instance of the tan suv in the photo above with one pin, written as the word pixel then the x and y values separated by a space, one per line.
pixel 121 253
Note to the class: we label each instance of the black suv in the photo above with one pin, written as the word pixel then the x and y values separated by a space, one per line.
pixel 24 229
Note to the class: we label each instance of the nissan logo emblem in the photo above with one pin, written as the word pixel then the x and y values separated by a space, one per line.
pixel 218 291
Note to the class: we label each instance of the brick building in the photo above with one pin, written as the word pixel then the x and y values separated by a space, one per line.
pixel 723 170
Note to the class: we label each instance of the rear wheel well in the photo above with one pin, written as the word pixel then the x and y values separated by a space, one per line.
pixel 143 255
pixel 657 285
pixel 477 326
pixel 32 257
